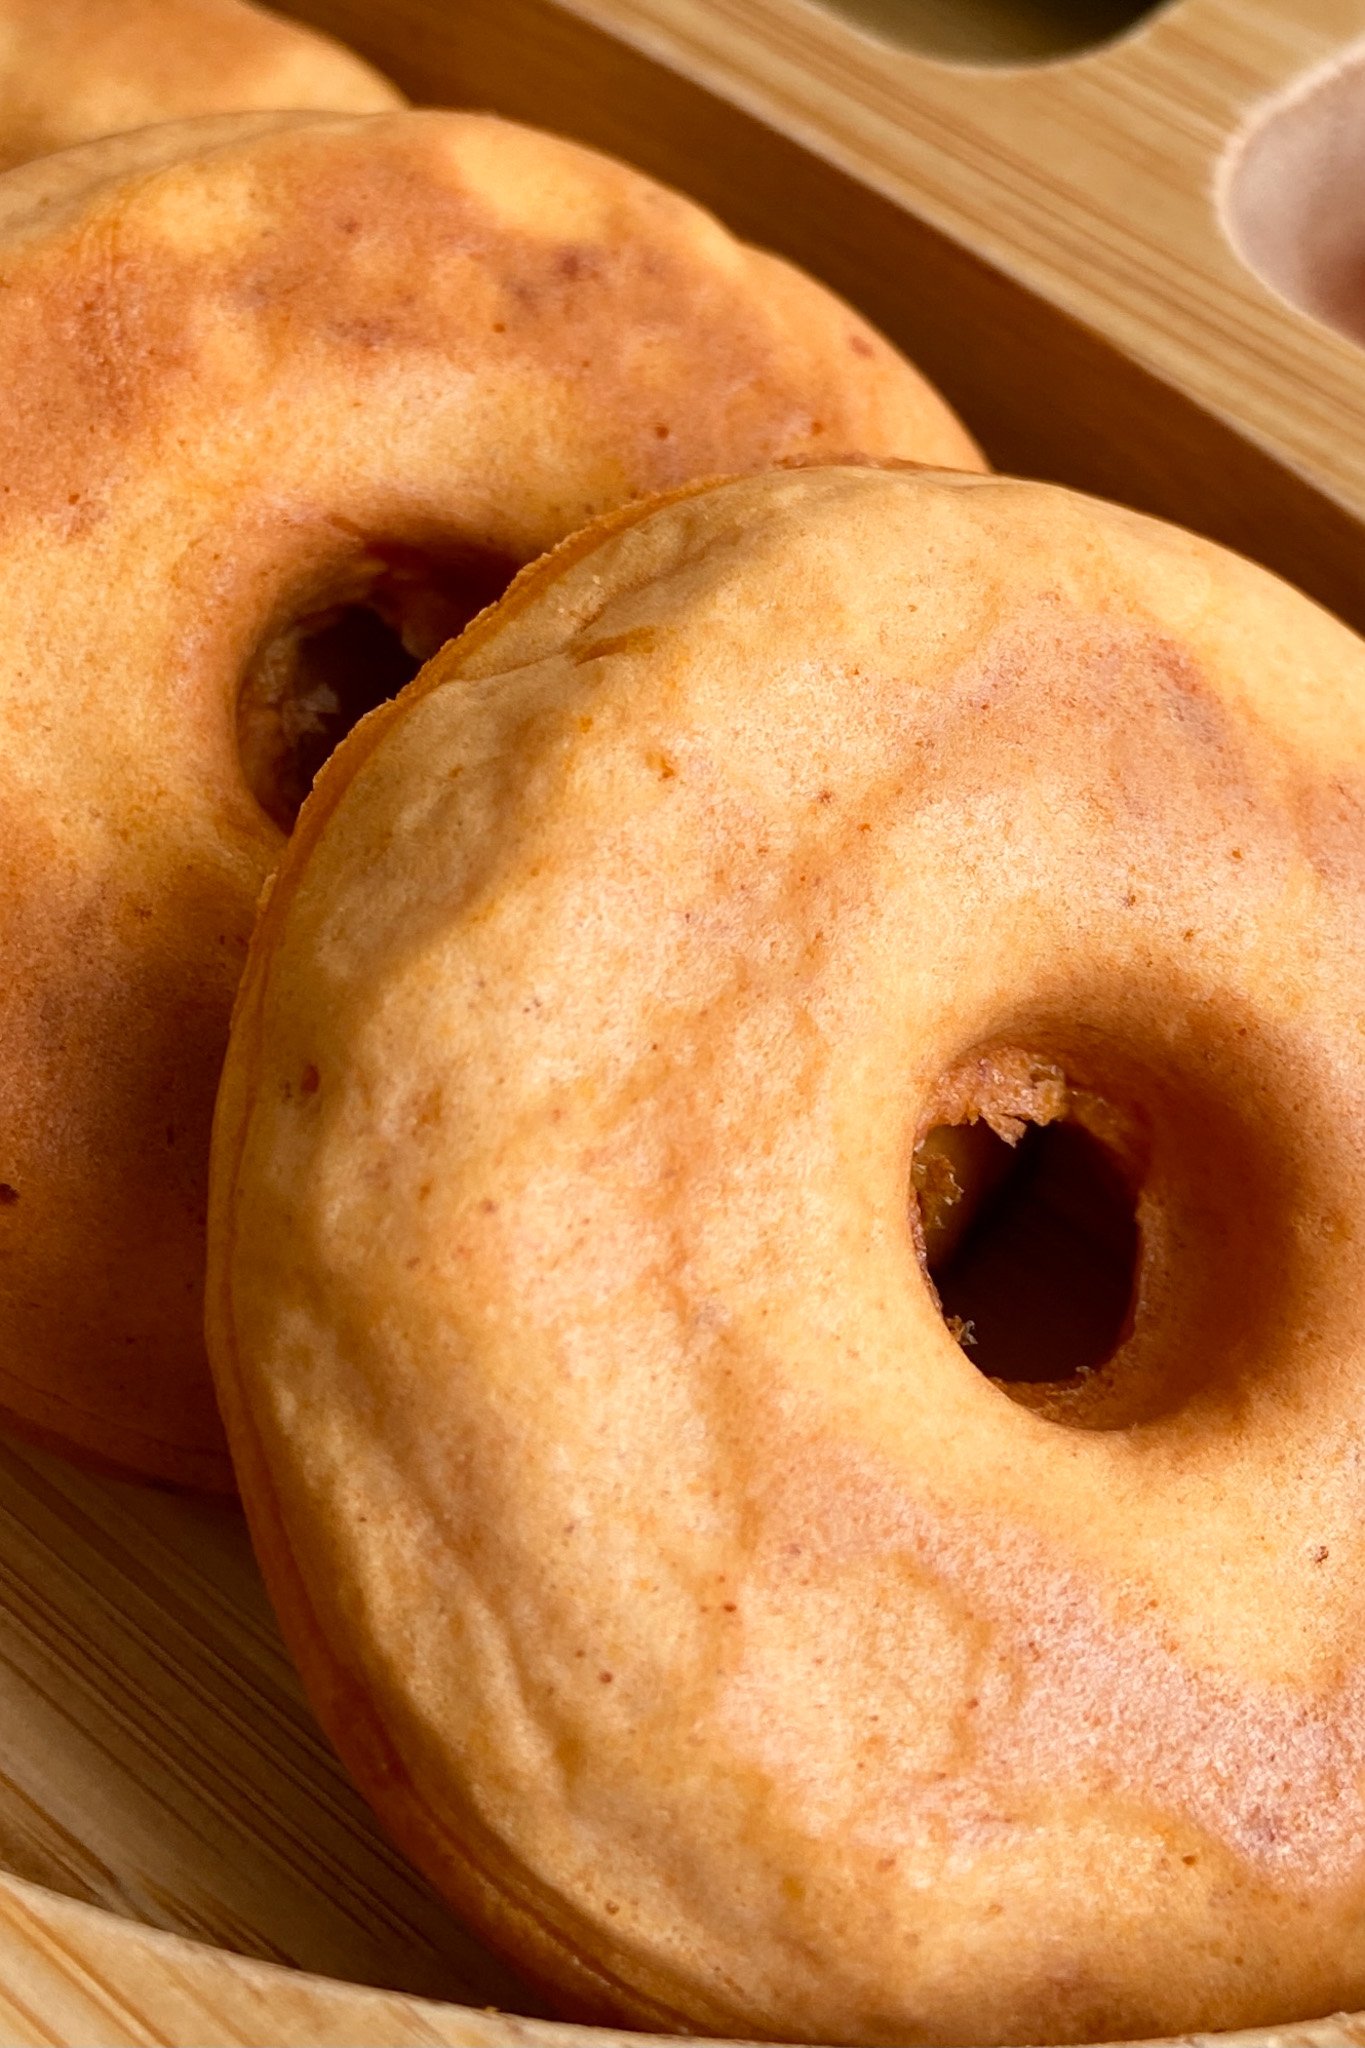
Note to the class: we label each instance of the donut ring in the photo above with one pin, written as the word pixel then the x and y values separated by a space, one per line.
pixel 262 372
pixel 726 1644
pixel 74 70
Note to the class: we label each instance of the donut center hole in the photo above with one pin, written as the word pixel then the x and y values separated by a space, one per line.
pixel 1032 1246
pixel 315 677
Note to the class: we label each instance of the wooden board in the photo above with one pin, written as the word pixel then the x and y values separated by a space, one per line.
pixel 1046 242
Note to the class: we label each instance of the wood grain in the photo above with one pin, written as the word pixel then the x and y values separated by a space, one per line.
pixel 73 1977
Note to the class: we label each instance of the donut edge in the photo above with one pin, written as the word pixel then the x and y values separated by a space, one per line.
pixel 497 1912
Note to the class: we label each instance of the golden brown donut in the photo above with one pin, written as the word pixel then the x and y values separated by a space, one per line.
pixel 726 1644
pixel 260 375
pixel 73 70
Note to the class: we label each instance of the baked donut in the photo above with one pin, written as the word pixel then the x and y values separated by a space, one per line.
pixel 288 399
pixel 729 1638
pixel 73 70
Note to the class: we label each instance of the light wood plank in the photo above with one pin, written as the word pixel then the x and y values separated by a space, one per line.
pixel 71 1977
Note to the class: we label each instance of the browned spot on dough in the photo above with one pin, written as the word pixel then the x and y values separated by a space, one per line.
pixel 137 333
pixel 343 249
pixel 638 640
pixel 114 1029
pixel 1043 678
pixel 1329 811
pixel 577 263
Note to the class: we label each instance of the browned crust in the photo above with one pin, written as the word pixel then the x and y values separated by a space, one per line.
pixel 149 277
pixel 487 1899
pixel 1131 664
pixel 74 70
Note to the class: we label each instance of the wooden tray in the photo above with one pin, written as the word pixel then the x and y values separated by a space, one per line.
pixel 1047 243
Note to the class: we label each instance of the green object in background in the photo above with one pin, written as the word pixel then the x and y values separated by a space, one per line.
pixel 995 31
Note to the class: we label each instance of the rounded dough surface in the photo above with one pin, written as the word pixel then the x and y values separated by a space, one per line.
pixel 725 1643
pixel 261 372
pixel 74 70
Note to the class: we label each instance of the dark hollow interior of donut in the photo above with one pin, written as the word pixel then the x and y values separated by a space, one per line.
pixel 1038 1281
pixel 309 682
pixel 324 684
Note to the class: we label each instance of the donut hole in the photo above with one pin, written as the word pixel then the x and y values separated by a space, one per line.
pixel 311 679
pixel 1032 1244
pixel 305 691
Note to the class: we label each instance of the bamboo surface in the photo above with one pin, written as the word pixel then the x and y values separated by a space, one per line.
pixel 188 1864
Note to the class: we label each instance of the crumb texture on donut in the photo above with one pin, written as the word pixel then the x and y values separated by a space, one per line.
pixel 269 377
pixel 723 1641
pixel 74 70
